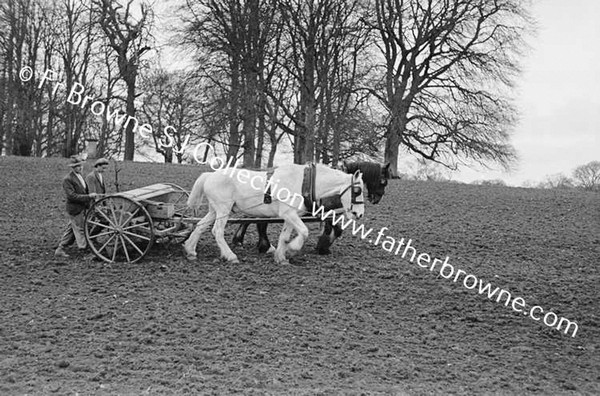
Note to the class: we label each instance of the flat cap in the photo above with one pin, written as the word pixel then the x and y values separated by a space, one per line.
pixel 76 161
pixel 100 161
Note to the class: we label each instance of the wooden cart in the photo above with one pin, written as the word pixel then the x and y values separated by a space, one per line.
pixel 125 225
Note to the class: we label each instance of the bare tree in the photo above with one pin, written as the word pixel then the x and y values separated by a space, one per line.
pixel 109 136
pixel 170 105
pixel 274 120
pixel 10 42
pixel 305 35
pixel 231 38
pixel 129 37
pixel 446 69
pixel 430 171
pixel 22 31
pixel 343 125
pixel 61 43
pixel 55 40
pixel 557 180
pixel 287 67
pixel 49 139
pixel 326 45
pixel 491 182
pixel 29 98
pixel 588 176
pixel 74 37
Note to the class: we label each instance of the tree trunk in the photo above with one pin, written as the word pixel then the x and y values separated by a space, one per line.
pixel 299 144
pixel 261 140
pixel 11 84
pixel 337 139
pixel 129 130
pixel 308 93
pixel 392 143
pixel 168 155
pixel 262 122
pixel 272 152
pixel 309 148
pixel 234 134
pixel 274 141
pixel 3 101
pixel 249 121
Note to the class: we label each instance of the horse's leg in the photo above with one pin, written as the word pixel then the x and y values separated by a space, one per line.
pixel 324 241
pixel 190 244
pixel 301 229
pixel 330 234
pixel 263 239
pixel 238 237
pixel 219 233
pixel 284 237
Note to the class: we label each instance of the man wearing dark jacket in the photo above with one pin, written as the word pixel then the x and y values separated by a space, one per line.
pixel 78 200
pixel 95 179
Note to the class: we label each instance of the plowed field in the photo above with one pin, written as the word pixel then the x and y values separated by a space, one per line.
pixel 359 321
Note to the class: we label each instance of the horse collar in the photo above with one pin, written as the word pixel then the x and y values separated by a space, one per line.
pixel 309 182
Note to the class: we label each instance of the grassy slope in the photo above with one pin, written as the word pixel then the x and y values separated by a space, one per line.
pixel 359 319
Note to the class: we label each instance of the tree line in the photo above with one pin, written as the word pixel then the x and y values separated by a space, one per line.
pixel 586 177
pixel 334 78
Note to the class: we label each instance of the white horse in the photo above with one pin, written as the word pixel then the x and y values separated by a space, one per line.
pixel 233 190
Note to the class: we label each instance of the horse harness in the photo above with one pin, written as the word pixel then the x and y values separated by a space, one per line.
pixel 308 191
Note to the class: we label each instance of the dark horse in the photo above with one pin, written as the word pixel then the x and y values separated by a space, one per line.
pixel 375 178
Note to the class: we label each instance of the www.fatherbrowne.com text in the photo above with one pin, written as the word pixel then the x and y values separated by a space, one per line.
pixel 423 260
pixel 448 271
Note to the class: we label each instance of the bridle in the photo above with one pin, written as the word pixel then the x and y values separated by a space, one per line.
pixel 355 192
pixel 335 201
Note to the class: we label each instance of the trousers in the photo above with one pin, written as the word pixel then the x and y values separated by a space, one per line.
pixel 74 232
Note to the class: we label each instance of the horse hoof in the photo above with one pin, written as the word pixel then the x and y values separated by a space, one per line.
pixel 283 262
pixel 190 255
pixel 232 260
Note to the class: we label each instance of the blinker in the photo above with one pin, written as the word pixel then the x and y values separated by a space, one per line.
pixel 333 202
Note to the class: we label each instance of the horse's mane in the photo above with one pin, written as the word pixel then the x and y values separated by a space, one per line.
pixel 371 171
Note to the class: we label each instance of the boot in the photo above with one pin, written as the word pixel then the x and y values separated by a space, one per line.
pixel 59 252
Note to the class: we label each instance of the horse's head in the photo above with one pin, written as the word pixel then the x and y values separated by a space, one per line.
pixel 375 177
pixel 353 200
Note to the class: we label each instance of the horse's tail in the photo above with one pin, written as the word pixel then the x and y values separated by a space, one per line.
pixel 195 199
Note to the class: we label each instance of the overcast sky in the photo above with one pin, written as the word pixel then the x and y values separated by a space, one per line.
pixel 558 94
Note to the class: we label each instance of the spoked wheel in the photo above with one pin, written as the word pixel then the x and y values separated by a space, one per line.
pixel 119 229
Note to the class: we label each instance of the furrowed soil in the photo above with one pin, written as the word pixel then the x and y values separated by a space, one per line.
pixel 359 321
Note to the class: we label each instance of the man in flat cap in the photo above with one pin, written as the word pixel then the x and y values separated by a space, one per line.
pixel 95 179
pixel 78 200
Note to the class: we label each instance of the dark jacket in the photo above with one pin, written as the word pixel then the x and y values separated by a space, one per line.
pixel 78 199
pixel 94 184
